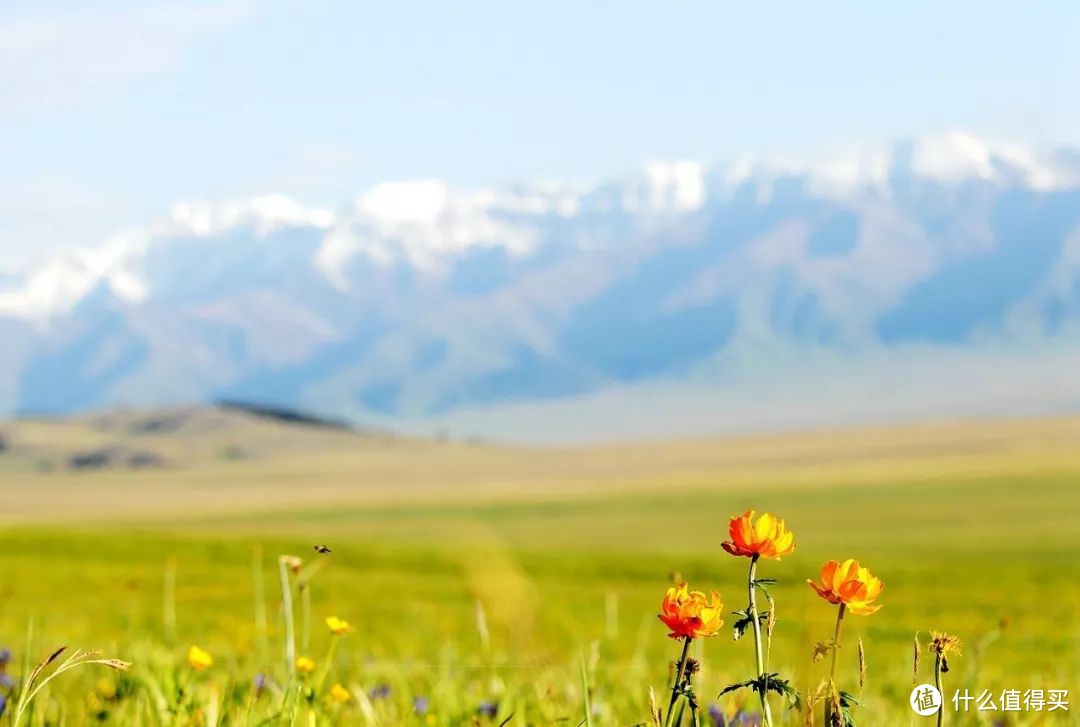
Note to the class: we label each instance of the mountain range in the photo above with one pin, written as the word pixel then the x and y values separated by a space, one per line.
pixel 937 276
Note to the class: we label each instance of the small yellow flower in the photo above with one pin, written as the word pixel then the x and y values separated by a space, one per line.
pixel 338 626
pixel 339 693
pixel 199 659
pixel 106 688
pixel 304 665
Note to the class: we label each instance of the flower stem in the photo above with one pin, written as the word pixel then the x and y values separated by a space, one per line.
pixel 766 714
pixel 678 680
pixel 287 610
pixel 832 667
pixel 937 683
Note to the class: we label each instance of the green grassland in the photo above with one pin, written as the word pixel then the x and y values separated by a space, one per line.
pixel 566 553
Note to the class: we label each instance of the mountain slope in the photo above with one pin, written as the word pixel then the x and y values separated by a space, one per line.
pixel 419 301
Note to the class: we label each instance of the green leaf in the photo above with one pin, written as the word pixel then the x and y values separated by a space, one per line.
pixel 771 683
pixel 847 701
pixel 784 689
pixel 736 687
pixel 744 622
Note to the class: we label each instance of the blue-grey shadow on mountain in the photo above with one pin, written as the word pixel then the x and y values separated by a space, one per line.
pixel 974 292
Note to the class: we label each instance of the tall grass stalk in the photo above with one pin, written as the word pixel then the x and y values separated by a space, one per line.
pixel 33 686
pixel 169 602
pixel 611 616
pixel 287 613
pixel 586 698
pixel 305 617
pixel 259 588
pixel 482 630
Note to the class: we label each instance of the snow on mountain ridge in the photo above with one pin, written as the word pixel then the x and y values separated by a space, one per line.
pixel 426 223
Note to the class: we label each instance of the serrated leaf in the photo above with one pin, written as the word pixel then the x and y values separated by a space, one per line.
pixel 744 622
pixel 736 687
pixel 768 683
pixel 784 689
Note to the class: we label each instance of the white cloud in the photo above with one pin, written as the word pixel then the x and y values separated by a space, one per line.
pixel 43 214
pixel 60 60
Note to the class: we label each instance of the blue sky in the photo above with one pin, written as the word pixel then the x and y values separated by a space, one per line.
pixel 112 111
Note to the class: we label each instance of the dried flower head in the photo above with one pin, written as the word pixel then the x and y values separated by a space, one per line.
pixel 943 645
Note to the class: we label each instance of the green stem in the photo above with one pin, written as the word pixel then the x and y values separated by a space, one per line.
pixel 678 680
pixel 328 663
pixel 169 605
pixel 305 619
pixel 937 683
pixel 287 609
pixel 832 667
pixel 766 714
pixel 261 629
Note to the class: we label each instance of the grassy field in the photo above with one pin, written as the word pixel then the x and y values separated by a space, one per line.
pixel 484 581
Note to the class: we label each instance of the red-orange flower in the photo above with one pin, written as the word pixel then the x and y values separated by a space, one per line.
pixel 851 584
pixel 766 538
pixel 689 614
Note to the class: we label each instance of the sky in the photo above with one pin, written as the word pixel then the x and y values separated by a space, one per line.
pixel 113 111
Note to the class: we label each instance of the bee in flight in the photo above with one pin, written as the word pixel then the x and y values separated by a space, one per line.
pixel 322 549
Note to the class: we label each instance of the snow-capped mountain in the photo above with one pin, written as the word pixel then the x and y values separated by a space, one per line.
pixel 418 299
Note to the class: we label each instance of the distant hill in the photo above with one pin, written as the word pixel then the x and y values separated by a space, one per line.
pixel 172 438
pixel 932 277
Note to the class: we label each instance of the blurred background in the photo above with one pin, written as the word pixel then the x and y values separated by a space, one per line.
pixel 598 221
pixel 513 304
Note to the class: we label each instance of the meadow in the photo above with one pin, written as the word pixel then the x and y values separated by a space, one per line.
pixel 490 584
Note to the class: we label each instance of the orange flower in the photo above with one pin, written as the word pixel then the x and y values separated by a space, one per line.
pixel 767 538
pixel 689 614
pixel 850 584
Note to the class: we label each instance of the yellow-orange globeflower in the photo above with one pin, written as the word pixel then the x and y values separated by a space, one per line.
pixel 766 538
pixel 338 626
pixel 850 584
pixel 690 614
pixel 199 659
